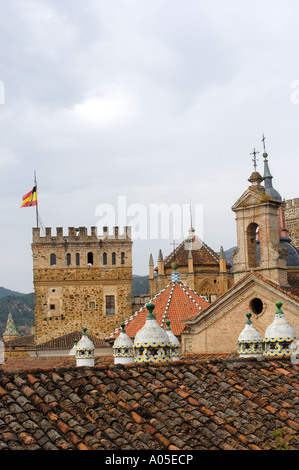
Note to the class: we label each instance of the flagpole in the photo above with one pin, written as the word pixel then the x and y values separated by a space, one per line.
pixel 36 207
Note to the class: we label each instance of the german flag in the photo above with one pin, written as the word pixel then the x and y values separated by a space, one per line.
pixel 30 199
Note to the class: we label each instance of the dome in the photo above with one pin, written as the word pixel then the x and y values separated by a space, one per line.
pixel 123 348
pixel 280 336
pixel 250 341
pixel 284 242
pixel 85 351
pixel 293 252
pixel 280 328
pixel 151 332
pixel 151 343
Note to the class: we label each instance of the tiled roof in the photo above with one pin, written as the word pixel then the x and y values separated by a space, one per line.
pixel 67 341
pixel 203 255
pixel 227 404
pixel 176 302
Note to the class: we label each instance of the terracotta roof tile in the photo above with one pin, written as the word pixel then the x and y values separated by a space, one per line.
pixel 200 402
pixel 176 302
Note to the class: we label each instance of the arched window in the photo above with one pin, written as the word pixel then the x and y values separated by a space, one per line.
pixel 77 259
pixel 113 258
pixel 52 259
pixel 122 258
pixel 104 258
pixel 90 258
pixel 68 259
pixel 252 254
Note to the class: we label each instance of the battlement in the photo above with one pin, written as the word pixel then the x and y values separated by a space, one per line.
pixel 292 203
pixel 79 235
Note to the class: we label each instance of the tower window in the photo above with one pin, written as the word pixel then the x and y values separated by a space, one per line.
pixel 113 258
pixel 252 231
pixel 122 258
pixel 110 304
pixel 104 258
pixel 90 258
pixel 68 259
pixel 53 259
pixel 77 259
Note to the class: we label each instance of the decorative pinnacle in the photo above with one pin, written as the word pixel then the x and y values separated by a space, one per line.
pixel 265 155
pixel 168 325
pixel 278 305
pixel 174 266
pixel 150 306
pixel 248 315
pixel 84 331
pixel 123 328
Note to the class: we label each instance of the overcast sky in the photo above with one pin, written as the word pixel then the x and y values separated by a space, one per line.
pixel 157 101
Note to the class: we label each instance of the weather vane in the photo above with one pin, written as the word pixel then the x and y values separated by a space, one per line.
pixel 254 158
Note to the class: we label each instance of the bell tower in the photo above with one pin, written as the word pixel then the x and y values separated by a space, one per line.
pixel 257 220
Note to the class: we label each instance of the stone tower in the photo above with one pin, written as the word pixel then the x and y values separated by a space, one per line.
pixel 257 219
pixel 292 220
pixel 81 280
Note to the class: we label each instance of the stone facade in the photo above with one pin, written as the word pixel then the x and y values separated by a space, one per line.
pixel 81 280
pixel 216 329
pixel 292 220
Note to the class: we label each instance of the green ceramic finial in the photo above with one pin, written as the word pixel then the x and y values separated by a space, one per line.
pixel 174 266
pixel 168 325
pixel 150 308
pixel 76 342
pixel 123 328
pixel 278 305
pixel 248 315
pixel 84 331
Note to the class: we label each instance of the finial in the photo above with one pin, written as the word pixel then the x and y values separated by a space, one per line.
pixel 278 305
pixel 248 315
pixel 151 260
pixel 150 306
pixel 254 158
pixel 168 325
pixel 265 155
pixel 84 331
pixel 123 328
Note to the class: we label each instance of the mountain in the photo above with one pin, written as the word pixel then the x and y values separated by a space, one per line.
pixel 7 292
pixel 140 285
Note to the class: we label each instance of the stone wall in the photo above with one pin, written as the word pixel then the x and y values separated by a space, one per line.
pixel 292 220
pixel 73 276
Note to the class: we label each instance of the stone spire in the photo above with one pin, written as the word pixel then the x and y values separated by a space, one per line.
pixel 250 341
pixel 10 332
pixel 280 336
pixel 123 348
pixel 160 263
pixel 151 267
pixel 85 351
pixel 151 343
pixel 268 177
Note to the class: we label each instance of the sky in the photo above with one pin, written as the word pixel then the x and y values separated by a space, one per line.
pixel 131 104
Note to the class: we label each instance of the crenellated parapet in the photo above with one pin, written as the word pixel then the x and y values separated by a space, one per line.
pixel 80 235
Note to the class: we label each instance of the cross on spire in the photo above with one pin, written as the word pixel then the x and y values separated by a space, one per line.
pixel 174 245
pixel 263 140
pixel 254 158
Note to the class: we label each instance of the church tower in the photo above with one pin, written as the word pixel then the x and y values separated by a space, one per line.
pixel 258 231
